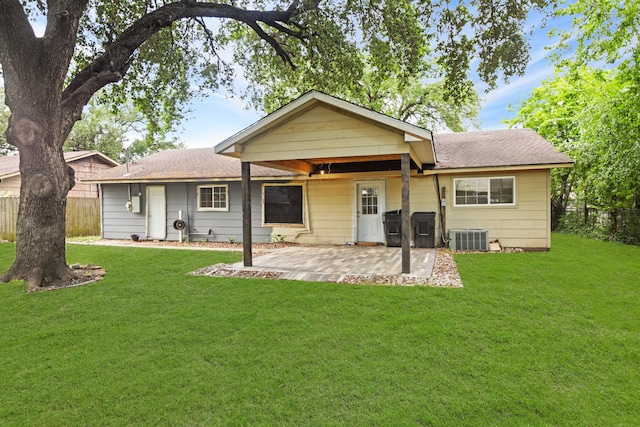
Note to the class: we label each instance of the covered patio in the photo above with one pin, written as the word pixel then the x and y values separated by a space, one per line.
pixel 323 138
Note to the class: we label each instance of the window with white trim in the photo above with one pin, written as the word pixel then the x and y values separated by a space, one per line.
pixel 498 191
pixel 213 197
pixel 283 204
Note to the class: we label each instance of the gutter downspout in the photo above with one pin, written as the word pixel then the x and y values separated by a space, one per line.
pixel 441 208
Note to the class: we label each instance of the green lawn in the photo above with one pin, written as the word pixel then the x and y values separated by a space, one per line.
pixel 532 339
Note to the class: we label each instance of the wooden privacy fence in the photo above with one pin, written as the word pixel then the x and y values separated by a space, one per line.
pixel 83 217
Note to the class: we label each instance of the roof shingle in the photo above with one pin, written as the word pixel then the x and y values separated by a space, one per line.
pixel 183 164
pixel 509 147
pixel 10 165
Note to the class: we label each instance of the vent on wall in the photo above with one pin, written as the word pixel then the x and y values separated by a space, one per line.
pixel 469 240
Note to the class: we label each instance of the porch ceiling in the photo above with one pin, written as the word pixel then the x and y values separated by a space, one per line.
pixel 328 165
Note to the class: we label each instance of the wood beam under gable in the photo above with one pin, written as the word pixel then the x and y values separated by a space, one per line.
pixel 416 159
pixel 411 138
pixel 421 150
pixel 296 166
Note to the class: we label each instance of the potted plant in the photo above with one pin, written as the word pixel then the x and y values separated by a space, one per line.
pixel 135 237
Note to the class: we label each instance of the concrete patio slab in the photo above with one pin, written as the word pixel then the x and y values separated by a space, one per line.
pixel 342 264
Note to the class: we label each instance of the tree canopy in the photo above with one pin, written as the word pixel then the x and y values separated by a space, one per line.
pixel 119 134
pixel 413 97
pixel 604 31
pixel 591 109
pixel 331 47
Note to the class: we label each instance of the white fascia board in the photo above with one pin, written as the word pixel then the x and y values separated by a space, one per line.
pixel 496 168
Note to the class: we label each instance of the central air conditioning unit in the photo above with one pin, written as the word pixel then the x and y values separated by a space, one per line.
pixel 469 240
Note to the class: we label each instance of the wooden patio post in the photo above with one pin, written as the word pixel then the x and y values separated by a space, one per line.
pixel 246 214
pixel 406 214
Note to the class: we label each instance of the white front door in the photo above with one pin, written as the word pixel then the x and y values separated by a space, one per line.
pixel 156 212
pixel 370 205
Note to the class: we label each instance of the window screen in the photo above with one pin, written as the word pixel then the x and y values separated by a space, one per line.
pixel 213 198
pixel 369 200
pixel 283 204
pixel 484 191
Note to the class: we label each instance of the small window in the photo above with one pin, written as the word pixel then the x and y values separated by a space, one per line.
pixel 213 198
pixel 282 204
pixel 369 200
pixel 484 191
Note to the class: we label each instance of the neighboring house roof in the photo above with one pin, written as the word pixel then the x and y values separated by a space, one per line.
pixel 194 164
pixel 497 148
pixel 10 165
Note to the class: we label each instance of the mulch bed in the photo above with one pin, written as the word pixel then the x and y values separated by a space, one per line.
pixel 445 272
pixel 84 275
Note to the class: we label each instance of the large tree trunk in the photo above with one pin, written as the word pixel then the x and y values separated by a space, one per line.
pixel 36 128
pixel 34 71
pixel 45 181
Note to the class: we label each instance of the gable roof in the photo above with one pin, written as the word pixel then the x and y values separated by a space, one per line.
pixel 497 148
pixel 415 136
pixel 180 165
pixel 10 165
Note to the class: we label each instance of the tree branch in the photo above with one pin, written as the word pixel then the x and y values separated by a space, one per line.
pixel 16 39
pixel 113 64
pixel 63 17
pixel 59 40
pixel 14 25
pixel 273 42
pixel 208 35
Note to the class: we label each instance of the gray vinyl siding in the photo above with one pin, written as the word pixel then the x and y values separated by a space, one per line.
pixel 119 223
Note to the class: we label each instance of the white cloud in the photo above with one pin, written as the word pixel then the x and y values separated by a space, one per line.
pixel 517 88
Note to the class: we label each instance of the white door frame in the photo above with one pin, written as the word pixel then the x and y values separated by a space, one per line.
pixel 162 219
pixel 382 203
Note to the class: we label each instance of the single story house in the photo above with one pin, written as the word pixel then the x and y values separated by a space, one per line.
pixel 181 194
pixel 84 163
pixel 354 164
pixel 321 170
